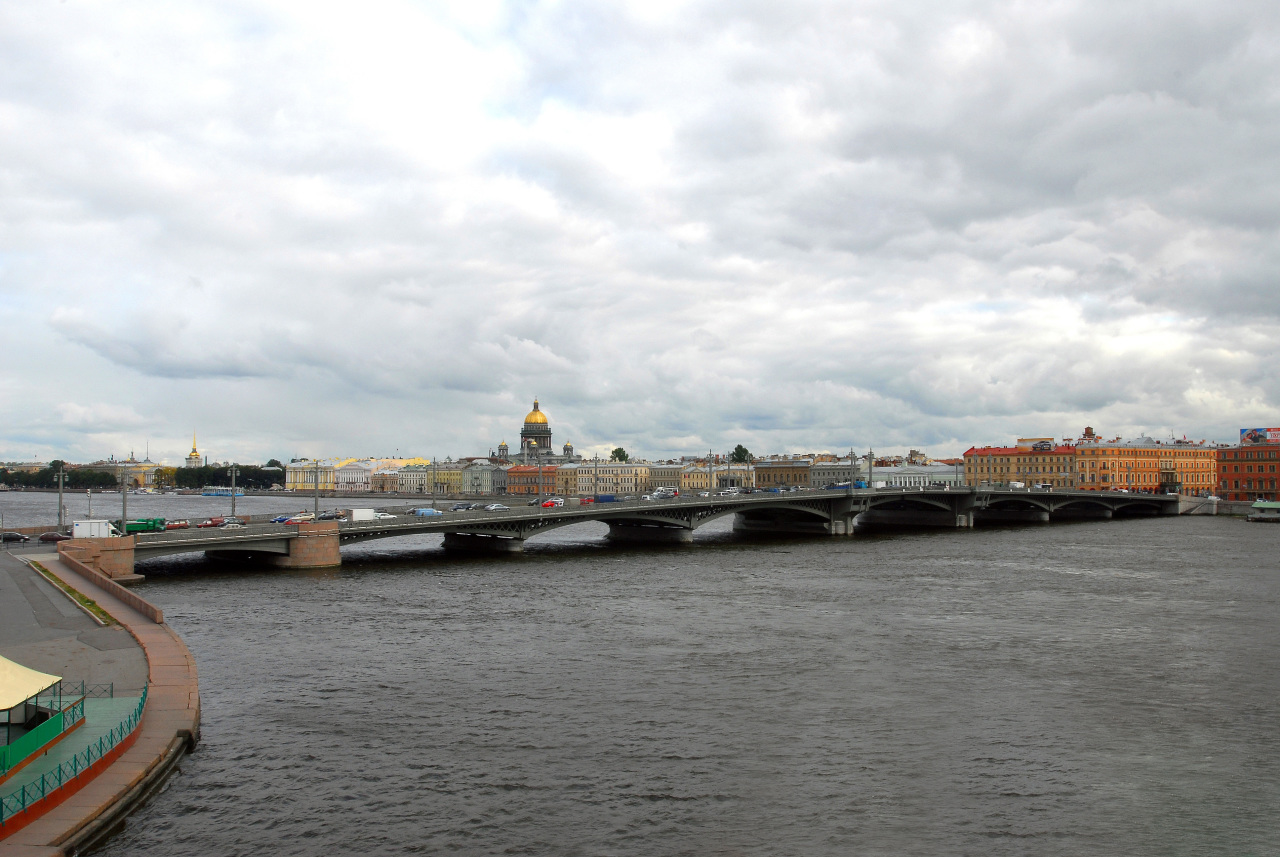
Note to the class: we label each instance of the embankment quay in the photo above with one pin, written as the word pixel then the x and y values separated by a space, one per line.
pixel 817 513
pixel 139 705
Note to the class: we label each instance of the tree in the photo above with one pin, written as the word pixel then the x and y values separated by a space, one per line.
pixel 619 454
pixel 274 462
pixel 740 455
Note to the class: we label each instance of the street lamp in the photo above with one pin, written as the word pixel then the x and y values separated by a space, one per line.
pixel 537 458
pixel 233 472
pixel 316 516
pixel 62 481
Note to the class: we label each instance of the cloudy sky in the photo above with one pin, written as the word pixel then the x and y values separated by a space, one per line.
pixel 319 228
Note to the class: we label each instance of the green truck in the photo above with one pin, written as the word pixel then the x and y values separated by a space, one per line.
pixel 143 525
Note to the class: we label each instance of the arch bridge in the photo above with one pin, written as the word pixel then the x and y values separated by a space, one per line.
pixel 815 512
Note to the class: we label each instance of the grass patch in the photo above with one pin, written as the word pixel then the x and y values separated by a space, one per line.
pixel 83 600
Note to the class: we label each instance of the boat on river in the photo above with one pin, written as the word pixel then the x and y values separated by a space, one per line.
pixel 1267 511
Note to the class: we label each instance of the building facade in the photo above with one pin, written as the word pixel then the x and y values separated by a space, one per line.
pixel 1248 472
pixel 527 479
pixel 1145 464
pixel 783 473
pixel 1034 461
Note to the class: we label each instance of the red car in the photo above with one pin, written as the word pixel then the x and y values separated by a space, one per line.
pixel 177 525
pixel 53 537
pixel 212 522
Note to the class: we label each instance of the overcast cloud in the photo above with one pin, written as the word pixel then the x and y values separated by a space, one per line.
pixel 318 228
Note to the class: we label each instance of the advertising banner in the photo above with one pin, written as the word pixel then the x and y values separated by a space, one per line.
pixel 1260 435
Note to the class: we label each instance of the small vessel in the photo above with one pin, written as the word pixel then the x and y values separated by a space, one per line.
pixel 220 491
pixel 1265 511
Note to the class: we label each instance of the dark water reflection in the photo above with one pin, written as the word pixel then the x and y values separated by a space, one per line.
pixel 1100 688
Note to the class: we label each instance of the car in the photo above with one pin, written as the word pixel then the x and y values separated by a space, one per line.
pixel 497 507
pixel 211 522
pixel 280 519
pixel 53 537
pixel 383 516
pixel 14 537
pixel 231 525
pixel 177 525
pixel 553 503
pixel 460 507
pixel 631 497
pixel 425 513
pixel 704 493
pixel 535 501
pixel 586 500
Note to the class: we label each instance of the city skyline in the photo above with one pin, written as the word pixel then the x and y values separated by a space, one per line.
pixel 684 226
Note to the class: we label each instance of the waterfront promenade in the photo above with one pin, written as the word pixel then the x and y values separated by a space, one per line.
pixel 42 628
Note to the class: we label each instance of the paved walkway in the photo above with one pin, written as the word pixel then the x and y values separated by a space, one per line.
pixel 170 721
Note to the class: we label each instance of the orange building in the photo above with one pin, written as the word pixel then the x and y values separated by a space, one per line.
pixel 1145 464
pixel 528 479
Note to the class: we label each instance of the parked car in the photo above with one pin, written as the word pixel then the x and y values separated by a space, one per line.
pixel 460 507
pixel 14 537
pixel 497 507
pixel 53 537
pixel 231 525
pixel 553 503
pixel 383 516
pixel 177 525
pixel 211 522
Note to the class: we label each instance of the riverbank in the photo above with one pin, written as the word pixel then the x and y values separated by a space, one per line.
pixel 170 722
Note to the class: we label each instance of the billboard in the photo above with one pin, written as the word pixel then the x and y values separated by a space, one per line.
pixel 1260 435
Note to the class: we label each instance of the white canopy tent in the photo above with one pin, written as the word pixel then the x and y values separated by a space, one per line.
pixel 19 683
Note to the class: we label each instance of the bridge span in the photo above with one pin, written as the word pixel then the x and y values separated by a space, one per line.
pixel 816 512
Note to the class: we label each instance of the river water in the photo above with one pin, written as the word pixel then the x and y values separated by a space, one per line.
pixel 1094 688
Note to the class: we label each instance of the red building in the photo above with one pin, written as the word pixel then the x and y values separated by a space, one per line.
pixel 527 479
pixel 1248 472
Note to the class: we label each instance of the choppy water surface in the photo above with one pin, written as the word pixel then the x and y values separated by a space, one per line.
pixel 1098 688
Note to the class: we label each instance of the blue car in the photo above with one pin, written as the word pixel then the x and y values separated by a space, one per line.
pixel 425 513
pixel 280 519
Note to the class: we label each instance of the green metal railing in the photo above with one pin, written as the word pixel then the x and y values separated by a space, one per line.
pixel 32 793
pixel 58 722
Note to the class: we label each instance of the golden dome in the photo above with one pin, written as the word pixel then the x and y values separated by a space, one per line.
pixel 535 416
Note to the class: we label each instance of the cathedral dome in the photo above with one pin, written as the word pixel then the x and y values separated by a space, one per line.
pixel 535 417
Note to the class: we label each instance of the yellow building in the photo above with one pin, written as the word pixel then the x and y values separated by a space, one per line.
pixel 612 477
pixel 1145 464
pixel 301 475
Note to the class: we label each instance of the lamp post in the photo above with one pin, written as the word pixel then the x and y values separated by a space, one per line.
pixel 62 481
pixel 233 471
pixel 533 444
pixel 316 516
pixel 595 478
pixel 124 502
pixel 853 470
pixel 89 491
pixel 871 467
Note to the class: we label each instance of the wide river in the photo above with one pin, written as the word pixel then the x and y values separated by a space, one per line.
pixel 1095 688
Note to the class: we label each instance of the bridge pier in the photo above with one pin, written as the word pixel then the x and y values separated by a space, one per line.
pixel 915 518
pixel 477 542
pixel 315 547
pixel 622 532
pixel 790 526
